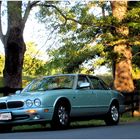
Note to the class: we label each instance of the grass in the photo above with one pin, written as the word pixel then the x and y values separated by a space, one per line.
pixel 27 127
pixel 127 117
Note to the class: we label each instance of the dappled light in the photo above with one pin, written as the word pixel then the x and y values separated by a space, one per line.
pixel 123 73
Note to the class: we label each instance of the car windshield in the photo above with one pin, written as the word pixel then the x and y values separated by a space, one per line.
pixel 50 83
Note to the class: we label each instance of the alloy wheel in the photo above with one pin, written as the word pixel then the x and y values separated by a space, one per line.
pixel 114 113
pixel 63 115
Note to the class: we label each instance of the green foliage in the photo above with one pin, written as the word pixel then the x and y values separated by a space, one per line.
pixel 87 38
pixel 78 44
pixel 107 78
pixel 2 59
pixel 70 58
pixel 136 55
pixel 1 81
pixel 27 79
pixel 133 19
pixel 32 63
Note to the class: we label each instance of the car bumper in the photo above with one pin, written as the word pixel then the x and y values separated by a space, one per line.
pixel 26 116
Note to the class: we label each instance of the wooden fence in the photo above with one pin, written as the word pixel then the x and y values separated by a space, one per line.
pixel 132 101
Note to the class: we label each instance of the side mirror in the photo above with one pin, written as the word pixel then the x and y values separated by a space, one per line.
pixel 18 92
pixel 84 85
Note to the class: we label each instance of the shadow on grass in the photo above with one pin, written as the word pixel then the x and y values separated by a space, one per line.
pixel 74 125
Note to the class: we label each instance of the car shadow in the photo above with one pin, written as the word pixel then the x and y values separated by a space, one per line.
pixel 48 128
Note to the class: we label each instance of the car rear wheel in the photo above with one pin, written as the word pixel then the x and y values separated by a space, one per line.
pixel 61 117
pixel 113 115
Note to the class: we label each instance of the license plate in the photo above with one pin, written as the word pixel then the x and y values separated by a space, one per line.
pixel 5 116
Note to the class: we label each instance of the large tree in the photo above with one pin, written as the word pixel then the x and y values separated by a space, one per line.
pixel 13 42
pixel 14 45
pixel 123 64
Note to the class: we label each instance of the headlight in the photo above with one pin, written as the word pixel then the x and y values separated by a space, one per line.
pixel 29 103
pixel 37 102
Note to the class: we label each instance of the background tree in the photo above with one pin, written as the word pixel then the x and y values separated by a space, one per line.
pixel 83 33
pixel 1 63
pixel 133 19
pixel 78 37
pixel 33 61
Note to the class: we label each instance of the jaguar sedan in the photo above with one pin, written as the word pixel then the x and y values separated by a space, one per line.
pixel 60 99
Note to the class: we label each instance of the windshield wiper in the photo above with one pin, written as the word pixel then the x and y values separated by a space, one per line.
pixel 60 88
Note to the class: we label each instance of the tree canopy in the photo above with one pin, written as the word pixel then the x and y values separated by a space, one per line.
pixel 87 38
pixel 85 35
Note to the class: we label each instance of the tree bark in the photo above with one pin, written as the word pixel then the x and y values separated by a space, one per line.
pixel 123 66
pixel 14 46
pixel 13 42
pixel 14 56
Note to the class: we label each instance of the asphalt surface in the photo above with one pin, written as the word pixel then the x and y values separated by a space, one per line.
pixel 121 131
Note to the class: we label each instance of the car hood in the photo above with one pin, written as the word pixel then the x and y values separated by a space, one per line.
pixel 22 96
pixel 32 95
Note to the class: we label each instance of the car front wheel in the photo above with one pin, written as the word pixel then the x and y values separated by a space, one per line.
pixel 113 115
pixel 6 128
pixel 61 117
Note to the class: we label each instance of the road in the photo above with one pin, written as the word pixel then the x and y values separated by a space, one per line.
pixel 121 131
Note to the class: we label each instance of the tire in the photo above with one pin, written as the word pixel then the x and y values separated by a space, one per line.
pixel 61 116
pixel 113 115
pixel 6 128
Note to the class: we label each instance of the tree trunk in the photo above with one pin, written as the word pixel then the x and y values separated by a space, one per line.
pixel 14 55
pixel 123 67
pixel 14 46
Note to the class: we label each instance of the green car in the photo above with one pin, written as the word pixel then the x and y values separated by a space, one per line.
pixel 60 99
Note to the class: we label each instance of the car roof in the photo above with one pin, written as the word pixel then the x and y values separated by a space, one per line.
pixel 72 74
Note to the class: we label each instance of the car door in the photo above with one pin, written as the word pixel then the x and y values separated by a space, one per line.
pixel 103 95
pixel 84 98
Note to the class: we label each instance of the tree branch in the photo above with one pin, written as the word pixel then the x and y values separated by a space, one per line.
pixel 30 5
pixel 35 55
pixel 64 16
pixel 74 20
pixel 138 53
pixel 1 34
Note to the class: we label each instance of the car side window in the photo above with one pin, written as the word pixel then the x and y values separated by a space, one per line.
pixel 104 85
pixel 96 83
pixel 82 79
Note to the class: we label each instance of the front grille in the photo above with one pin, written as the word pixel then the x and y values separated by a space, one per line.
pixel 11 104
pixel 3 105
pixel 15 104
